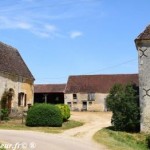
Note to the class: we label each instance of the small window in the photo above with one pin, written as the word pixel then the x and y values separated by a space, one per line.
pixel 90 103
pixel 91 96
pixel 74 103
pixel 22 99
pixel 74 96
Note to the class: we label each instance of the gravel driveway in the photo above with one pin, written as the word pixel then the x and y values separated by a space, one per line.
pixel 79 138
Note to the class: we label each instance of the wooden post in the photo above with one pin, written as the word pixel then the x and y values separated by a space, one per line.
pixel 45 96
pixel 22 113
pixel 0 111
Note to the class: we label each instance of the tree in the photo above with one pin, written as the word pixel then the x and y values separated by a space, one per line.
pixel 123 101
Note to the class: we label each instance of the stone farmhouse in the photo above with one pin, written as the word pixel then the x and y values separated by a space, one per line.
pixel 85 92
pixel 88 92
pixel 143 46
pixel 16 78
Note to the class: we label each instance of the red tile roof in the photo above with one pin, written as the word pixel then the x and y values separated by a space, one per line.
pixel 145 35
pixel 98 83
pixel 49 88
pixel 11 62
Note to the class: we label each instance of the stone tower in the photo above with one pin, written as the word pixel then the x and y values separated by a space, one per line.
pixel 143 46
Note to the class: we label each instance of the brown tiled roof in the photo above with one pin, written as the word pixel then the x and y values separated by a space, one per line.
pixel 145 35
pixel 11 62
pixel 98 83
pixel 49 88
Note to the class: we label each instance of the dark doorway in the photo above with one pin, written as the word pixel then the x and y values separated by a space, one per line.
pixel 84 106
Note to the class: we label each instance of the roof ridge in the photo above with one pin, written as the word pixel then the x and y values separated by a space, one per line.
pixel 52 84
pixel 103 75
pixel 8 46
pixel 145 35
pixel 11 61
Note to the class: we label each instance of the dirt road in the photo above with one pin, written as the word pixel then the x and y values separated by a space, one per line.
pixel 79 138
pixel 94 121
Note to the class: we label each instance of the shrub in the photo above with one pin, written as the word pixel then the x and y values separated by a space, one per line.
pixel 44 115
pixel 65 111
pixel 148 141
pixel 4 114
pixel 123 101
pixel 2 147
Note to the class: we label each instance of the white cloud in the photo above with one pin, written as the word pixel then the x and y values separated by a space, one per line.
pixel 41 34
pixel 50 28
pixel 36 16
pixel 24 25
pixel 45 30
pixel 75 34
pixel 39 29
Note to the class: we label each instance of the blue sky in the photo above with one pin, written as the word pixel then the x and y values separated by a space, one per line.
pixel 58 38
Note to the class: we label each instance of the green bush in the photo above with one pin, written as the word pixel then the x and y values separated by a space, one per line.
pixel 65 111
pixel 4 114
pixel 148 141
pixel 44 115
pixel 2 147
pixel 123 101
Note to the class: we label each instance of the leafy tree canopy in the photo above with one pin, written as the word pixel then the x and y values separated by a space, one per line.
pixel 123 101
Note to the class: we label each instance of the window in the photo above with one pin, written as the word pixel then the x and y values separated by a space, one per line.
pixel 22 99
pixel 90 103
pixel 74 103
pixel 91 96
pixel 74 96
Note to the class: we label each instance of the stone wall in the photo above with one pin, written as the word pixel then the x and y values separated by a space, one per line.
pixel 98 104
pixel 18 84
pixel 144 83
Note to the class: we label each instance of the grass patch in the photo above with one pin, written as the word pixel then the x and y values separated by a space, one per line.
pixel 17 125
pixel 116 140
pixel 1 147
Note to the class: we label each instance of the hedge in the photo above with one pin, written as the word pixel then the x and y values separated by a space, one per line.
pixel 44 115
pixel 65 111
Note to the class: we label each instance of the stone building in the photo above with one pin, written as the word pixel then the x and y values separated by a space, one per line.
pixel 15 77
pixel 88 92
pixel 143 46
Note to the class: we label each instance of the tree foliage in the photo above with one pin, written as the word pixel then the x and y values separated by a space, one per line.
pixel 123 101
pixel 65 111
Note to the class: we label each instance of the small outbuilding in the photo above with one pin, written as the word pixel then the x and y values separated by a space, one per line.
pixel 49 93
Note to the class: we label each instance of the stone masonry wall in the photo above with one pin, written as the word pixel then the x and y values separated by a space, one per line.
pixel 18 84
pixel 144 84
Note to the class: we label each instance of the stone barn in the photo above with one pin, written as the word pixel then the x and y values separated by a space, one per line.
pixel 15 78
pixel 89 92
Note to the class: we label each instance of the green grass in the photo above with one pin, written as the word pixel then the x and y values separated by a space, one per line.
pixel 17 125
pixel 1 147
pixel 115 140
